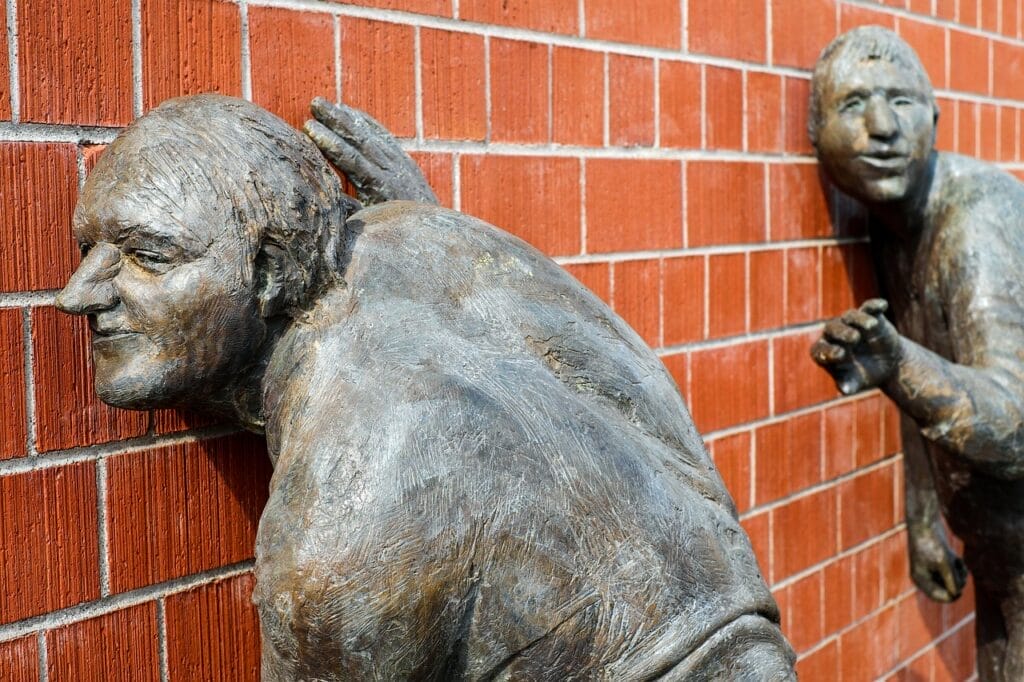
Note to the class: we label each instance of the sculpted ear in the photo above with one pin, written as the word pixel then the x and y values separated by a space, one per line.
pixel 279 280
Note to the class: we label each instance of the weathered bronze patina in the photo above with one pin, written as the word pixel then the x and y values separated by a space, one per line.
pixel 481 473
pixel 948 244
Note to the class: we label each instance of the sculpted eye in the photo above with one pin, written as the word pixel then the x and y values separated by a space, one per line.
pixel 149 259
pixel 902 102
pixel 852 105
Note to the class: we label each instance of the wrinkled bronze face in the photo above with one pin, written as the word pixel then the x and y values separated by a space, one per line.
pixel 877 129
pixel 168 292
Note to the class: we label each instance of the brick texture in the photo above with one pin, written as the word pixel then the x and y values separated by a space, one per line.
pixel 658 150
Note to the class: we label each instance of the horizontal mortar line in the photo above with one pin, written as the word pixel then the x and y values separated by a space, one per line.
pixel 45 132
pixel 856 549
pixel 975 98
pixel 526 34
pixel 624 153
pixel 93 453
pixel 28 299
pixel 823 486
pixel 786 416
pixel 934 21
pixel 620 256
pixel 117 602
pixel 938 639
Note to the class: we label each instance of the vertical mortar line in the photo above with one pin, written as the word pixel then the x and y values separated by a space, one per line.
pixel 243 9
pixel 1016 134
pixel 684 203
pixel 581 16
pixel 137 57
pixel 30 388
pixel 991 71
pixel 417 52
pixel 771 376
pixel 337 60
pixel 161 638
pixel 583 204
pixel 101 517
pixel 457 181
pixel 684 27
pixel 551 93
pixel 999 16
pixel 12 59
pixel 80 165
pixel 487 86
pixel 769 46
pixel 707 295
pixel 657 102
pixel 704 107
pixel 455 9
pixel 752 456
pixel 44 667
pixel 749 295
pixel 606 104
pixel 745 106
pixel 661 301
pixel 946 56
pixel 611 285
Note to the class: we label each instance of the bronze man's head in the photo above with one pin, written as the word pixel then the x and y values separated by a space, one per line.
pixel 205 218
pixel 872 115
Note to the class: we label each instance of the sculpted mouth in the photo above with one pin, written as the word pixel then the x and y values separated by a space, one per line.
pixel 885 160
pixel 100 335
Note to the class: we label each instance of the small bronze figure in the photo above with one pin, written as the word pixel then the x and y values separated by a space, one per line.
pixel 948 246
pixel 481 473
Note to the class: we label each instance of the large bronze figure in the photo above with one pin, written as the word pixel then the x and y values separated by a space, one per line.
pixel 948 244
pixel 481 473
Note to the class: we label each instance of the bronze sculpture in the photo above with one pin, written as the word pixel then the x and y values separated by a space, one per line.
pixel 480 471
pixel 949 252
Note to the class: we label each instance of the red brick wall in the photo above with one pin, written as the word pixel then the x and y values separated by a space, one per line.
pixel 657 149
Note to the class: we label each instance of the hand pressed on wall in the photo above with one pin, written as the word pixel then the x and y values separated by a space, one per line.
pixel 367 154
pixel 861 349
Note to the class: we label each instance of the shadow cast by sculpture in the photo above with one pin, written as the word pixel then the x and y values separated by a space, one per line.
pixel 480 472
pixel 948 251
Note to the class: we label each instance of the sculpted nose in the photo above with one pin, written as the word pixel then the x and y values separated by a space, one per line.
pixel 91 288
pixel 880 119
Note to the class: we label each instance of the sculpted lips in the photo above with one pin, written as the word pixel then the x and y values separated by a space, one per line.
pixel 885 160
pixel 109 334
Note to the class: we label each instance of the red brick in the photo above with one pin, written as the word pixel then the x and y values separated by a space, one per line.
pixel 867 580
pixel 968 63
pixel 680 107
pixel 729 385
pixel 118 646
pixel 5 74
pixel 967 128
pixel 1009 61
pixel 437 169
pixel 441 8
pixel 293 61
pixel 728 28
pixel 68 412
pixel 765 130
pixel 214 629
pixel 652 22
pixel 803 533
pixel 678 366
pixel 172 421
pixel 577 96
pixel 454 97
pixel 189 48
pixel 851 16
pixel 519 91
pixel 988 129
pixel 378 72
pixel 759 528
pixel 633 205
pixel 798 382
pixel 839 582
pixel 75 65
pixel 48 540
pixel 550 16
pixel 803 624
pixel 991 16
pixel 798 207
pixel 955 659
pixel 892 441
pixel 866 506
pixel 895 562
pixel 929 41
pixel 797 92
pixel 634 283
pixel 945 130
pixel 727 294
pixel 788 457
pixel 732 457
pixel 630 100
pixel 767 284
pixel 1008 150
pixel 919 620
pixel 38 190
pixel 840 443
pixel 724 105
pixel 19 660
pixel 200 510
pixel 869 649
pixel 946 9
pixel 969 15
pixel 800 30
pixel 91 153
pixel 802 266
pixel 683 283
pixel 1011 19
pixel 13 434
pixel 594 276
pixel 713 185
pixel 837 295
pixel 869 422
pixel 822 664
pixel 535 198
